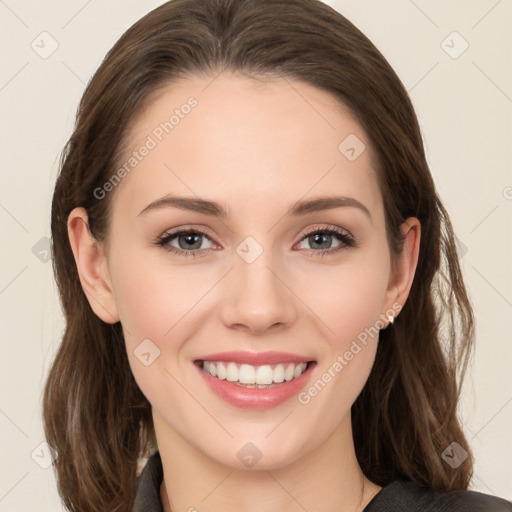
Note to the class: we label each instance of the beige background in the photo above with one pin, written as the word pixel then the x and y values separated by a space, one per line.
pixel 464 105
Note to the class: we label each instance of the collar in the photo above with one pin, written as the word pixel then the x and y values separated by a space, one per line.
pixel 147 498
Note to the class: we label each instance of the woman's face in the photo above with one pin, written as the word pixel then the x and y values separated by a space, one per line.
pixel 260 280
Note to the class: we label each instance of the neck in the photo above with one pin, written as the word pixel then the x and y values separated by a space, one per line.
pixel 327 477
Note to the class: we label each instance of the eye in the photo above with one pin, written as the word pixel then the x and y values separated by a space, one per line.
pixel 189 242
pixel 322 238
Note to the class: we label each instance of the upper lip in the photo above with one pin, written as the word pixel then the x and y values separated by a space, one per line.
pixel 255 359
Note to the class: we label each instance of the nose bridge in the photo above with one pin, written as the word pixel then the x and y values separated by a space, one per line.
pixel 257 297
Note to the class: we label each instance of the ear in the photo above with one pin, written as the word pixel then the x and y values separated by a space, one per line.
pixel 92 267
pixel 402 275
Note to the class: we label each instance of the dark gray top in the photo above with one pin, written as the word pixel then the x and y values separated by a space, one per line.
pixel 398 496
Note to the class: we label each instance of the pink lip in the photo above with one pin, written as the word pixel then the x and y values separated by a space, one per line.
pixel 255 359
pixel 255 398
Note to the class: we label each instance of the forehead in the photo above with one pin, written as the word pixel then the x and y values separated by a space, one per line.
pixel 248 142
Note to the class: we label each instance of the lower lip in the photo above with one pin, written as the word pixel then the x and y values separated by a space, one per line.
pixel 255 398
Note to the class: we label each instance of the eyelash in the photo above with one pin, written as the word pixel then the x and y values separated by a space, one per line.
pixel 346 239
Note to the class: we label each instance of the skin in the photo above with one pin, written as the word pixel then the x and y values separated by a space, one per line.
pixel 257 147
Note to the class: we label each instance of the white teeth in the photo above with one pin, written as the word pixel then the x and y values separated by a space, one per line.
pixel 278 373
pixel 264 375
pixel 288 373
pixel 252 376
pixel 231 372
pixel 247 375
pixel 297 372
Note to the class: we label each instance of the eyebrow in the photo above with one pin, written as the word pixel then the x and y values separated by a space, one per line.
pixel 214 209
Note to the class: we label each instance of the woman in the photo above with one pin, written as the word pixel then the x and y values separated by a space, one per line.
pixel 260 282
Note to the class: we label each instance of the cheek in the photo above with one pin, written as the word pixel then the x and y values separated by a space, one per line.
pixel 348 300
pixel 152 297
pixel 348 297
pixel 352 313
pixel 158 302
pixel 153 303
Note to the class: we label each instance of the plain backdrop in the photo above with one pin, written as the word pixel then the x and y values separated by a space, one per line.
pixel 461 86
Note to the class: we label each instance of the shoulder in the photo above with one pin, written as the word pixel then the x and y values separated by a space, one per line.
pixel 402 495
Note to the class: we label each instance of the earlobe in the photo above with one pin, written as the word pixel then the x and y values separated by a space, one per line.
pixel 92 267
pixel 402 276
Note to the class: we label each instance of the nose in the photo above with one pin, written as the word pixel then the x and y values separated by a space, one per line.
pixel 257 297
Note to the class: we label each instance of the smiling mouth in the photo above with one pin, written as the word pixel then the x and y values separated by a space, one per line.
pixel 252 376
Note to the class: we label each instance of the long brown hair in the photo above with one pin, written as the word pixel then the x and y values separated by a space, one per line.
pixel 95 416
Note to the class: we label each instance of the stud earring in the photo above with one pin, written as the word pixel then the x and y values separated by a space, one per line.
pixel 391 319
